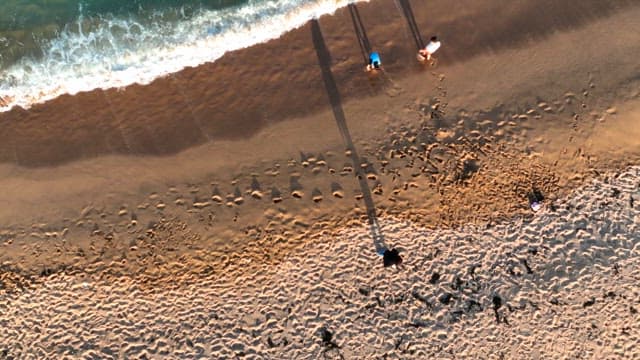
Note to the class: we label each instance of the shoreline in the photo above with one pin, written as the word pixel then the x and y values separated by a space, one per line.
pixel 195 105
pixel 181 42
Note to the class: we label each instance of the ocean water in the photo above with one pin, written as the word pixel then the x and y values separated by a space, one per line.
pixel 54 47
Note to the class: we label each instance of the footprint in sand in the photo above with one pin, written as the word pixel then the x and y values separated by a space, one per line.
pixel 273 171
pixel 276 195
pixel 256 192
pixel 321 161
pixel 133 220
pixel 238 199
pixel 295 187
pixel 143 206
pixel 545 107
pixel 569 97
pixel 368 169
pixel 316 195
pixel 559 106
pixel 532 113
pixel 336 190
pixel 216 196
pixel 318 164
pixel 346 169
pixel 377 189
pixel 200 204
pixel 123 211
pixel 230 198
pixel 304 159
pixel 394 91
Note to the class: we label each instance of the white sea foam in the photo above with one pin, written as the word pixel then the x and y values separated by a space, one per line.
pixel 118 52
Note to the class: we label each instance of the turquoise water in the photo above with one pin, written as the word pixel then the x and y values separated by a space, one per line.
pixel 25 25
pixel 54 47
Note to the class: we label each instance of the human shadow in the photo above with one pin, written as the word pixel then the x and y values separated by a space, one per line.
pixel 324 60
pixel 361 34
pixel 405 6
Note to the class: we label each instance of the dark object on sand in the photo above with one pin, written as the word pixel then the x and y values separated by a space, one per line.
pixel 589 302
pixel 445 298
pixel 434 278
pixel 497 302
pixel 329 344
pixel 615 193
pixel 391 257
pixel 327 336
pixel 535 199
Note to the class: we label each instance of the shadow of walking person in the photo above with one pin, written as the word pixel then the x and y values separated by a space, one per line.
pixel 405 6
pixel 324 60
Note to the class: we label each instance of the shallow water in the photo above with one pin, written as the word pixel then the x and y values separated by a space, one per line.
pixel 52 47
pixel 20 14
pixel 27 26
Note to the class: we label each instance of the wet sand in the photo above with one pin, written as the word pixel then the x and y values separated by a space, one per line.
pixel 239 196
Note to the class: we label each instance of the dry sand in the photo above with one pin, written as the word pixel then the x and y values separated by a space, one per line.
pixel 563 285
pixel 251 232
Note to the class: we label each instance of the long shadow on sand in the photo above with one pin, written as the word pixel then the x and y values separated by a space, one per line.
pixel 324 59
pixel 405 6
pixel 361 34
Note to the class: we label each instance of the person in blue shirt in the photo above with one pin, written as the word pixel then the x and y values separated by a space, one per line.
pixel 374 62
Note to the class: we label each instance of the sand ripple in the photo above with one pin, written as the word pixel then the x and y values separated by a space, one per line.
pixel 563 285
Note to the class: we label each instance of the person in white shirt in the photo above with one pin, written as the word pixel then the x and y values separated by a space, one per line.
pixel 431 48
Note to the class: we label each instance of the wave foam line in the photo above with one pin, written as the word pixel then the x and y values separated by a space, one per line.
pixel 120 52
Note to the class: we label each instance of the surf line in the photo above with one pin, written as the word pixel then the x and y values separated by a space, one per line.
pixel 405 7
pixel 361 34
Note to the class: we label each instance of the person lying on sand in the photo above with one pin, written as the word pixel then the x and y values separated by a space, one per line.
pixel 432 47
pixel 374 61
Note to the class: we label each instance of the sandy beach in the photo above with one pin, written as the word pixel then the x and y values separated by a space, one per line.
pixel 234 210
pixel 563 285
